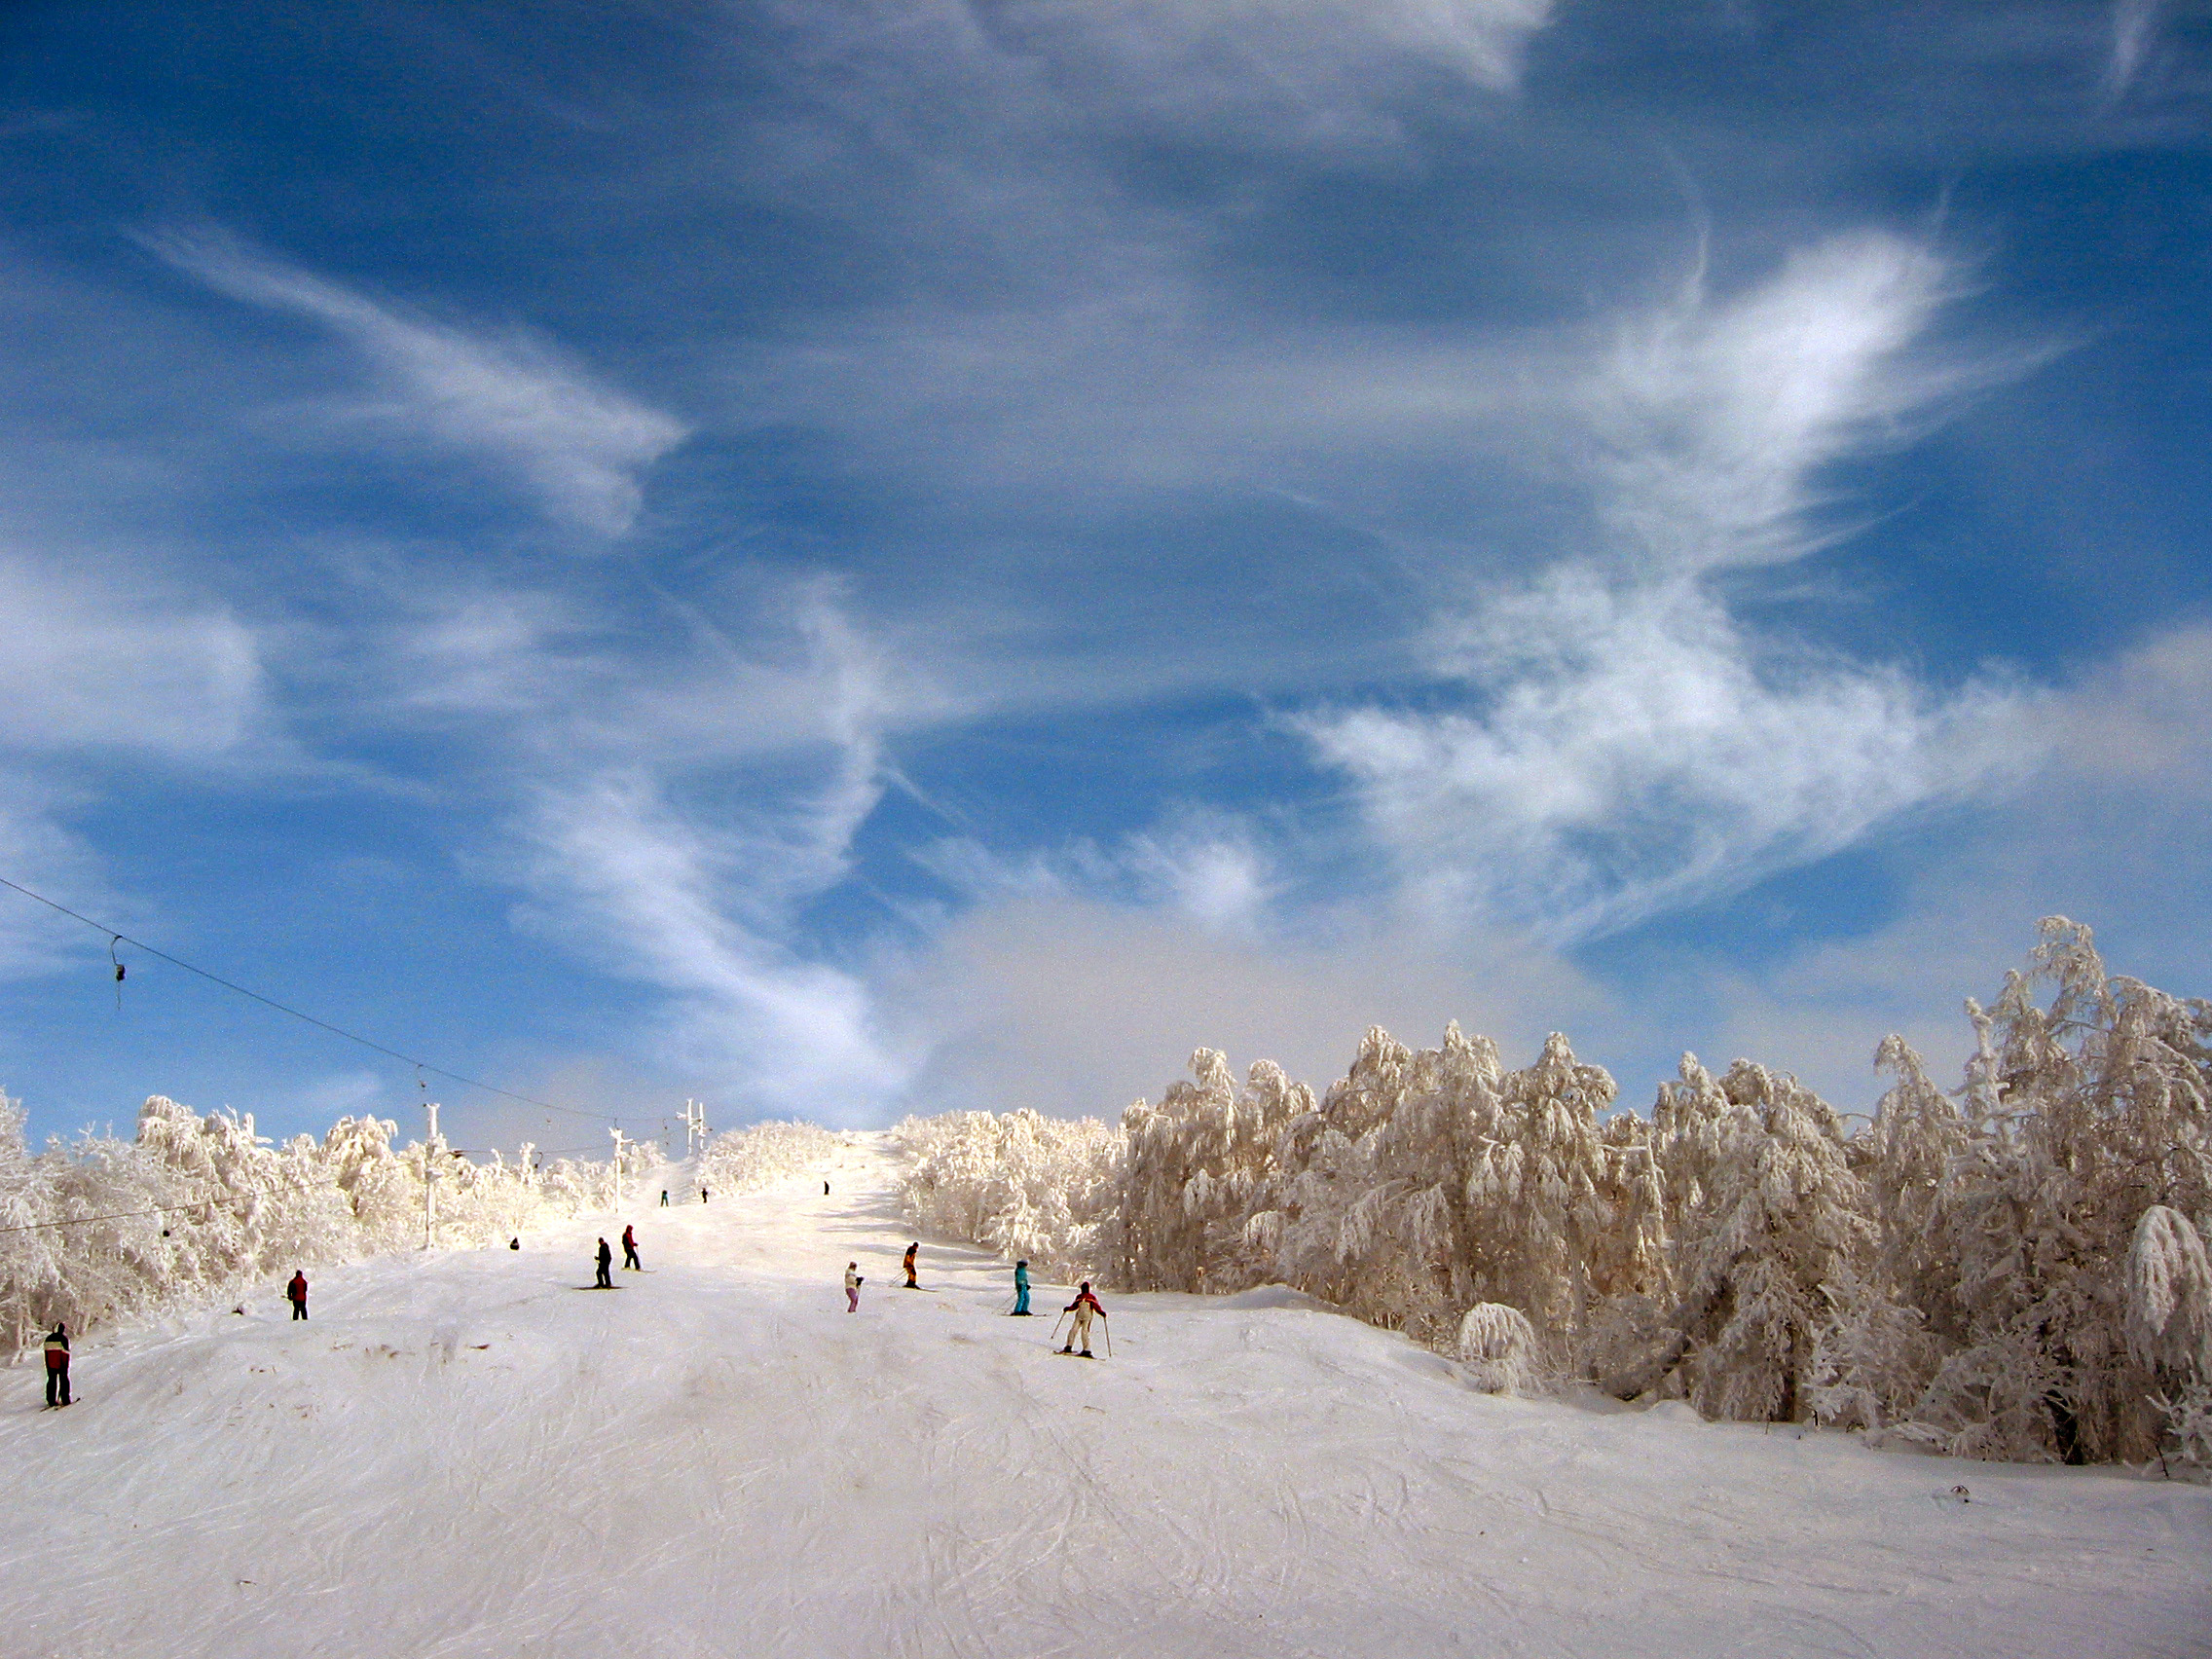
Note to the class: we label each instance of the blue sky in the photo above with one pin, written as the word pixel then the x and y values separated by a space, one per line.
pixel 846 559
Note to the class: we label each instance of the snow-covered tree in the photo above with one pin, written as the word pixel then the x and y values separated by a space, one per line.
pixel 1770 1222
pixel 2085 1113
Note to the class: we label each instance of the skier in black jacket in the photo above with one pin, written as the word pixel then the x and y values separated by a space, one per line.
pixel 57 1365
pixel 605 1266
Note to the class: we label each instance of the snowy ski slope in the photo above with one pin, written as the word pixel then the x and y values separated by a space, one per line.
pixel 467 1454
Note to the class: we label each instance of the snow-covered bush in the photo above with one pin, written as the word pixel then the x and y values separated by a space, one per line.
pixel 744 1160
pixel 1498 1347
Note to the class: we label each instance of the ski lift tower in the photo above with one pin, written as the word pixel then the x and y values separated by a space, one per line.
pixel 694 1127
pixel 430 1148
pixel 614 1171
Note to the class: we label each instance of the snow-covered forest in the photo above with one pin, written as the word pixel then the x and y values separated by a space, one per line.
pixel 2015 1269
pixel 103 1227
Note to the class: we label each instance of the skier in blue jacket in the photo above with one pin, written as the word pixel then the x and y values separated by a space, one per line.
pixel 1020 1290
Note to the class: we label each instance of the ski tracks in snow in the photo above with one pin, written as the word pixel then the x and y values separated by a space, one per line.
pixel 462 1454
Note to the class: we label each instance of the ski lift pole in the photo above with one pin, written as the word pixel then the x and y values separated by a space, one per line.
pixel 429 1171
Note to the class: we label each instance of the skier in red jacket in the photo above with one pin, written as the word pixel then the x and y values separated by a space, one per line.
pixel 1084 1307
pixel 297 1291
pixel 630 1250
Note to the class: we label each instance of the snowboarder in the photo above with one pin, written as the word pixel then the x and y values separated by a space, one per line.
pixel 853 1283
pixel 514 1244
pixel 605 1264
pixel 297 1292
pixel 912 1249
pixel 57 1365
pixel 630 1250
pixel 1084 1307
pixel 1020 1290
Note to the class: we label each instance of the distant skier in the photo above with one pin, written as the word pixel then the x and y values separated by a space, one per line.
pixel 57 1365
pixel 909 1264
pixel 664 1198
pixel 825 1189
pixel 853 1283
pixel 1020 1290
pixel 297 1292
pixel 630 1250
pixel 1084 1307
pixel 514 1244
pixel 702 1194
pixel 605 1264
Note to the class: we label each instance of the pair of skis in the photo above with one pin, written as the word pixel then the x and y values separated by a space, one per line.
pixel 1109 1330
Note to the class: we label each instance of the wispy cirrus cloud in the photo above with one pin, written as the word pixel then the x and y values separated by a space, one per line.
pixel 1615 741
pixel 669 823
pixel 86 665
pixel 662 897
pixel 1276 71
pixel 2134 32
pixel 94 675
pixel 581 445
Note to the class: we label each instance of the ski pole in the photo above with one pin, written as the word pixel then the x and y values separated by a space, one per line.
pixel 1055 1335
pixel 1106 1325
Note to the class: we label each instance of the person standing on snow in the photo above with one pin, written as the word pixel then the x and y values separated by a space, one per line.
pixel 664 1198
pixel 57 1365
pixel 853 1283
pixel 911 1250
pixel 297 1293
pixel 1084 1306
pixel 1020 1290
pixel 630 1249
pixel 605 1264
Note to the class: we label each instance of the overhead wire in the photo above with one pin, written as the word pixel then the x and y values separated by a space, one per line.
pixel 115 937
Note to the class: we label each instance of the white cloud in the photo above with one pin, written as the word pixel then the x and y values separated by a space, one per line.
pixel 1624 745
pixel 86 665
pixel 2134 31
pixel 624 878
pixel 92 672
pixel 1204 865
pixel 1299 71
pixel 1714 421
pixel 1068 1005
pixel 2146 717
pixel 671 819
pixel 580 444
pixel 38 853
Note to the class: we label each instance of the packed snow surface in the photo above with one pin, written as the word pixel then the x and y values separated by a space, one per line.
pixel 471 1453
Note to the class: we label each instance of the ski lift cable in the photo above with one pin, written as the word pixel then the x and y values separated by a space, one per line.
pixel 117 1215
pixel 281 1007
